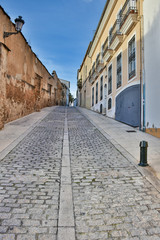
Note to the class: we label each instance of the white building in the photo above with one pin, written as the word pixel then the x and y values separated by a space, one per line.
pixel 151 76
pixel 67 83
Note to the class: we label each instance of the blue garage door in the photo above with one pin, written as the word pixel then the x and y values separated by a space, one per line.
pixel 128 106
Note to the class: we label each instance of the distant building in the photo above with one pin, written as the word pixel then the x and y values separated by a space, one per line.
pixel 67 84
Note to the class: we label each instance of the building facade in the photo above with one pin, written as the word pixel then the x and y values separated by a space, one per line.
pixel 25 83
pixel 111 72
pixel 151 11
pixel 67 91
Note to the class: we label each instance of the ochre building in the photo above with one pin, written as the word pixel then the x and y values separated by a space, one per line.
pixel 25 83
pixel 110 76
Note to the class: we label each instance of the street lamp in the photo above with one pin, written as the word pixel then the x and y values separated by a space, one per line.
pixel 18 26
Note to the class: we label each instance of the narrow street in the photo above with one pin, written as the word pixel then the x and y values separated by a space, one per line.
pixel 66 181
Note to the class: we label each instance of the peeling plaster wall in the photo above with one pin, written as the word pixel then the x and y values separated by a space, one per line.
pixel 25 83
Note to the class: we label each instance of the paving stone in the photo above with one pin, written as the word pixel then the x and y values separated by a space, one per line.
pixel 7 237
pixel 111 198
pixel 30 182
pixel 26 237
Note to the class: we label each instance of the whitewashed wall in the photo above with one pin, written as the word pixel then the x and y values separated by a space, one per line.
pixel 152 62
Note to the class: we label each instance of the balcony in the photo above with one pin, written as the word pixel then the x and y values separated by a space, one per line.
pixel 94 71
pixel 79 84
pixel 91 79
pixel 90 76
pixel 116 37
pixel 129 16
pixel 99 63
pixel 107 51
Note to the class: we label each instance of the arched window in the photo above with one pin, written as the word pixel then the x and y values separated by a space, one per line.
pixel 101 108
pixel 109 103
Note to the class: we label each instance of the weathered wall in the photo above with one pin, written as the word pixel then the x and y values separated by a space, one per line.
pixel 26 85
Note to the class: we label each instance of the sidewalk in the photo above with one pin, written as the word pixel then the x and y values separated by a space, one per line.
pixel 15 131
pixel 128 142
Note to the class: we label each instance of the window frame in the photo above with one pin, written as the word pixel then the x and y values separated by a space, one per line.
pixel 119 71
pixel 92 96
pixel 96 92
pixel 110 79
pixel 109 103
pixel 101 88
pixel 132 58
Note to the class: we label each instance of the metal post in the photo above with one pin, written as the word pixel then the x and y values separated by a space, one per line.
pixel 143 154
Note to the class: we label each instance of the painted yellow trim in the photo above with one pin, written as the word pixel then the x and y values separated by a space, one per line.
pixel 154 131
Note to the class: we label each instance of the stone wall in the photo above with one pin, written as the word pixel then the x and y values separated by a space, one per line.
pixel 25 83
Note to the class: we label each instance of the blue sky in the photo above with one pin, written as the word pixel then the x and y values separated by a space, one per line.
pixel 58 31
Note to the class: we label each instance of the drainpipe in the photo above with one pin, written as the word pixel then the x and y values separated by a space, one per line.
pixel 142 75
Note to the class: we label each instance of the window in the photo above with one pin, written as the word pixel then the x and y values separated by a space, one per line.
pixel 101 108
pixel 92 96
pixel 131 58
pixel 97 92
pixel 119 70
pixel 110 35
pixel 110 79
pixel 109 103
pixel 101 89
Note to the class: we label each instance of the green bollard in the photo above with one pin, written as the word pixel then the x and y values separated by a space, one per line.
pixel 143 154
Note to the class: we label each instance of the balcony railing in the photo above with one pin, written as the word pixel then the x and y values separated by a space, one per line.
pixel 98 59
pixel 115 30
pixel 105 47
pixel 93 68
pixel 130 6
pixel 99 62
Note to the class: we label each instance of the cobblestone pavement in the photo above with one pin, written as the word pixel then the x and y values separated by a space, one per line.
pixel 29 183
pixel 112 200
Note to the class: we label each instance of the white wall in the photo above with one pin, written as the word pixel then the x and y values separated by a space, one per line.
pixel 152 62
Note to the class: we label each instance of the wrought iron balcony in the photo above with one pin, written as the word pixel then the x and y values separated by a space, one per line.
pixel 99 63
pixel 116 37
pixel 94 71
pixel 105 47
pixel 128 16
pixel 91 79
pixel 79 84
pixel 107 51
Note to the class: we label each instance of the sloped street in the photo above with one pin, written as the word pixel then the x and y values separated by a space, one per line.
pixel 65 180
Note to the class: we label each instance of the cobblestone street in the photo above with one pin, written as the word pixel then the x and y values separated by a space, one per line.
pixel 111 199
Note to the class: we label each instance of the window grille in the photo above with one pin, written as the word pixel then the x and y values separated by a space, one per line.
pixel 101 89
pixel 92 96
pixel 97 92
pixel 109 103
pixel 131 58
pixel 110 79
pixel 119 70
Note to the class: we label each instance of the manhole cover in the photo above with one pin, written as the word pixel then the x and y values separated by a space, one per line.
pixel 130 131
